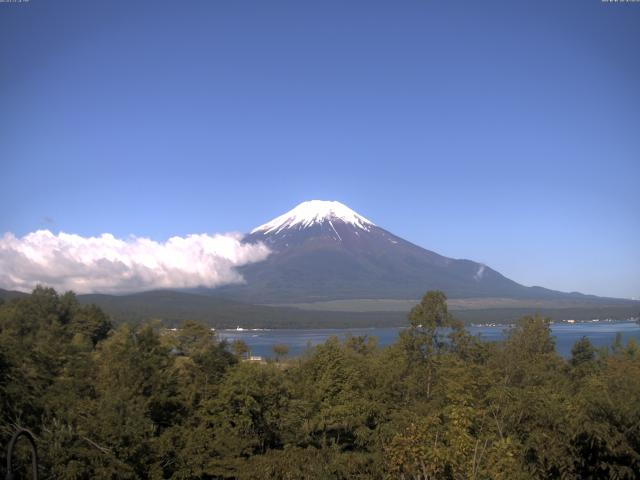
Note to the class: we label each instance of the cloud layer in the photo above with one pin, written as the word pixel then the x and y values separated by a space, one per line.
pixel 111 265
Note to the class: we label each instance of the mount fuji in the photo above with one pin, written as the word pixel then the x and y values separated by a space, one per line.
pixel 323 250
pixel 332 267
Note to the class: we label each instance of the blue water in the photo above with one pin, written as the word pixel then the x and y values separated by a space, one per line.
pixel 261 342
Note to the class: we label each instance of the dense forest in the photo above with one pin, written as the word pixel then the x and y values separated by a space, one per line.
pixel 142 401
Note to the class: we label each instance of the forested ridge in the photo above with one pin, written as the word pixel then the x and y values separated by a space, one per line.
pixel 141 401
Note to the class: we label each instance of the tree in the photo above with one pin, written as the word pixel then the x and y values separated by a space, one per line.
pixel 280 350
pixel 606 419
pixel 244 419
pixel 582 353
pixel 147 402
pixel 136 396
pixel 424 339
pixel 530 337
pixel 92 322
pixel 240 348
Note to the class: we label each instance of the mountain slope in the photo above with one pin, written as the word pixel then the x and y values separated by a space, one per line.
pixel 326 251
pixel 172 308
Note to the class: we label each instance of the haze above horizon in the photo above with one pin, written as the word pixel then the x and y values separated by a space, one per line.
pixel 500 132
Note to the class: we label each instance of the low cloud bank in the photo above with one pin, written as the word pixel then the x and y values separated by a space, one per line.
pixel 111 265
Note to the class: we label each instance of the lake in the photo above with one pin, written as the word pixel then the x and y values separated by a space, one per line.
pixel 261 342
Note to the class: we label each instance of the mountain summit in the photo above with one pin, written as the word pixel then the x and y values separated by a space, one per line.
pixel 314 212
pixel 323 250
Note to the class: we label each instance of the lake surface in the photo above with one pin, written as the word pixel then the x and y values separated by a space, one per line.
pixel 261 342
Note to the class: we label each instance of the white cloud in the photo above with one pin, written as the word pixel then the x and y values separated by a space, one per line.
pixel 111 265
pixel 480 273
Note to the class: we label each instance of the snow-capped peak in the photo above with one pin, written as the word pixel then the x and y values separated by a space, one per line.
pixel 314 211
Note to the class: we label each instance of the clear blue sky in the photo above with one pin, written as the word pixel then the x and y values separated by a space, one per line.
pixel 504 132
